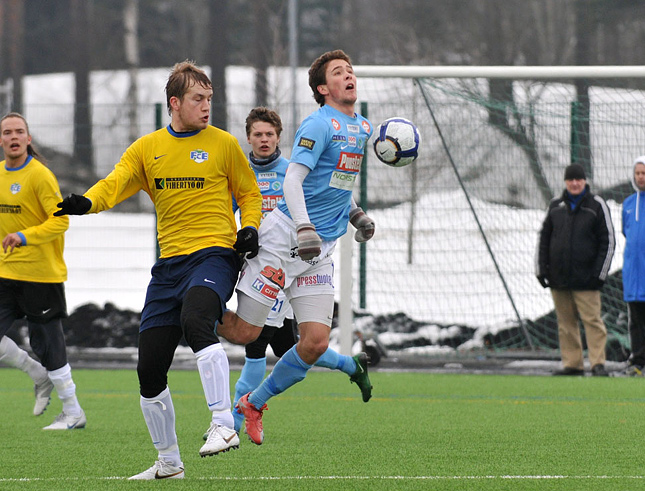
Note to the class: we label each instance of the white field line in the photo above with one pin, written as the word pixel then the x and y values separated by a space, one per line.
pixel 336 478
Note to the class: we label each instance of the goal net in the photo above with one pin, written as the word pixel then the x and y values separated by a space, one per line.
pixel 453 261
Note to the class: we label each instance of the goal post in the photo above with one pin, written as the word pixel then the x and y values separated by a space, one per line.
pixel 503 72
pixel 456 231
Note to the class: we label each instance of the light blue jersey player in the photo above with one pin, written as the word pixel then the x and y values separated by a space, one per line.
pixel 298 239
pixel 263 130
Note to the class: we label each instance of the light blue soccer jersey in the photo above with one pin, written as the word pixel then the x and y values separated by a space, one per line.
pixel 270 178
pixel 332 145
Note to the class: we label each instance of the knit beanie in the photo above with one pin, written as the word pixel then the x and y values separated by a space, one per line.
pixel 574 171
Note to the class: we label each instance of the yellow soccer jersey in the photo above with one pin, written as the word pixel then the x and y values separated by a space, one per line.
pixel 190 178
pixel 28 198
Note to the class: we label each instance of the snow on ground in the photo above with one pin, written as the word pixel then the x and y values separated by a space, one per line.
pixel 109 257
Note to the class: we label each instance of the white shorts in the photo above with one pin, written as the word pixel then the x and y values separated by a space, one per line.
pixel 280 311
pixel 278 267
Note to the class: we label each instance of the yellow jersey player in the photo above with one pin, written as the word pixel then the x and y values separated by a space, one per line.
pixel 32 271
pixel 189 169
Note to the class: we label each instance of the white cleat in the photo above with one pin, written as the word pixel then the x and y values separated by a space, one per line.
pixel 219 439
pixel 67 422
pixel 160 470
pixel 43 396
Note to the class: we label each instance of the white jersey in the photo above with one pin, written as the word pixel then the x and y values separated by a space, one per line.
pixel 270 177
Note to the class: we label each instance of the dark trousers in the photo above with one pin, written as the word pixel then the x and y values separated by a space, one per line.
pixel 636 326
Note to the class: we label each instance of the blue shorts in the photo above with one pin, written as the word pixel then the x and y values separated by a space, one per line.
pixel 216 268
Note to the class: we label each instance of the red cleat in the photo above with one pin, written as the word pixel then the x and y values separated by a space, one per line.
pixel 253 417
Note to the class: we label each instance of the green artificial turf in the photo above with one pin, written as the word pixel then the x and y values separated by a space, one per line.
pixel 419 431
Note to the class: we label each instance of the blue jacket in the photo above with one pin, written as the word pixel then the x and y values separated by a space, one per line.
pixel 634 256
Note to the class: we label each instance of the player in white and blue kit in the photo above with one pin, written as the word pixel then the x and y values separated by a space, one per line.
pixel 298 238
pixel 263 129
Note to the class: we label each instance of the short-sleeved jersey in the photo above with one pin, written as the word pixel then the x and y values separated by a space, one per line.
pixel 270 178
pixel 332 145
pixel 28 198
pixel 191 178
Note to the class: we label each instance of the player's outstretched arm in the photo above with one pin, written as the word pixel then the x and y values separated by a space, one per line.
pixel 74 204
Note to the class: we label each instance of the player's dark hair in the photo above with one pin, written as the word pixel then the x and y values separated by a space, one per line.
pixel 318 69
pixel 31 150
pixel 182 76
pixel 266 115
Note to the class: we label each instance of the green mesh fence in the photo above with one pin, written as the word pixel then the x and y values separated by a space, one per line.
pixel 457 230
pixel 452 261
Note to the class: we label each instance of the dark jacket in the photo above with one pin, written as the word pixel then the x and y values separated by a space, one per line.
pixel 576 247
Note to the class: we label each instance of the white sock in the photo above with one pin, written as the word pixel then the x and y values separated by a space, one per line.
pixel 159 414
pixel 212 364
pixel 66 389
pixel 13 355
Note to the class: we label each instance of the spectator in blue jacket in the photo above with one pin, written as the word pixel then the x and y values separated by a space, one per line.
pixel 634 268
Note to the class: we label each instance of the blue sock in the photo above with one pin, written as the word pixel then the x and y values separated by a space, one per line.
pixel 335 361
pixel 288 371
pixel 251 376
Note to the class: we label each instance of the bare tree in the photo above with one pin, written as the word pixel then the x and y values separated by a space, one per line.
pixel 130 23
pixel 15 24
pixel 580 139
pixel 3 57
pixel 262 35
pixel 218 59
pixel 80 20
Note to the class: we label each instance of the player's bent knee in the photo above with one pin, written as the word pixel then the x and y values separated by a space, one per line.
pixel 245 333
pixel 246 324
pixel 319 348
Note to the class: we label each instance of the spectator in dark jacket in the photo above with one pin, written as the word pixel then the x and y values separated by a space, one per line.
pixel 634 268
pixel 574 253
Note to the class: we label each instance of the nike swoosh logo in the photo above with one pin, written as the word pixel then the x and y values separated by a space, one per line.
pixel 159 156
pixel 157 476
pixel 209 281
pixel 213 404
pixel 228 440
pixel 45 311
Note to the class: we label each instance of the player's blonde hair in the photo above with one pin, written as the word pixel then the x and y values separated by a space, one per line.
pixel 319 67
pixel 183 76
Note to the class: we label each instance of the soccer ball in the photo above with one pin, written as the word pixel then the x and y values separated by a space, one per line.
pixel 397 142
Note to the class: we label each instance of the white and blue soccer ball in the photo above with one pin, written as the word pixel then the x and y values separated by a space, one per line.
pixel 396 142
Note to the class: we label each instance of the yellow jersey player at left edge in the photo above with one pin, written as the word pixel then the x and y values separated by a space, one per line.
pixel 189 169
pixel 33 271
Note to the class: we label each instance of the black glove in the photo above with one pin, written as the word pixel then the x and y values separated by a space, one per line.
pixel 74 204
pixel 543 281
pixel 247 241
